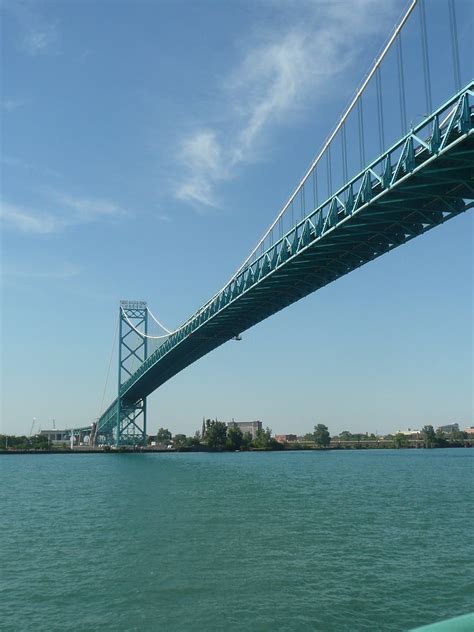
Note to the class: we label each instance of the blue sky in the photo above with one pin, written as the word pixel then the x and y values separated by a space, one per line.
pixel 146 147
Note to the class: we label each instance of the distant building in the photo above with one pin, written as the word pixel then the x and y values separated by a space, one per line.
pixel 59 437
pixel 449 428
pixel 410 433
pixel 56 437
pixel 286 438
pixel 470 431
pixel 246 426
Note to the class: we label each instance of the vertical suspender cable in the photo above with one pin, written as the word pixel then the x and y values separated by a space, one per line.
pixel 343 118
pixel 316 192
pixel 344 153
pixel 108 369
pixel 361 133
pixel 315 196
pixel 426 59
pixel 378 82
pixel 329 170
pixel 401 84
pixel 303 203
pixel 455 45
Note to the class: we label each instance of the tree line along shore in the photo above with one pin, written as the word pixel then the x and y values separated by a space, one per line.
pixel 217 436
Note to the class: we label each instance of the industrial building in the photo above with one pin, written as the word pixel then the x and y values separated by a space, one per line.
pixel 246 426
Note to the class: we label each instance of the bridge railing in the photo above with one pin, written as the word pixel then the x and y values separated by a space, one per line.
pixel 433 136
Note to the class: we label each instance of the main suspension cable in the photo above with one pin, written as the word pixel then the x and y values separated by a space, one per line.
pixel 343 118
pixel 110 364
pixel 406 14
pixel 142 333
pixel 312 169
pixel 161 324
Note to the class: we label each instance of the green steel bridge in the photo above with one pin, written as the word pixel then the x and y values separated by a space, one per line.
pixel 422 180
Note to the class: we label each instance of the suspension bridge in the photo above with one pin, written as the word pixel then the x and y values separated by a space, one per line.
pixel 346 211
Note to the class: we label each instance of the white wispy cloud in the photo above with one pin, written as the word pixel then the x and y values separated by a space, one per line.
pixel 36 41
pixel 64 211
pixel 35 33
pixel 202 154
pixel 10 104
pixel 279 74
pixel 29 221
pixel 16 163
pixel 88 209
pixel 63 271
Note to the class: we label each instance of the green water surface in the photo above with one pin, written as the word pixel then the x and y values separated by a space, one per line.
pixel 352 540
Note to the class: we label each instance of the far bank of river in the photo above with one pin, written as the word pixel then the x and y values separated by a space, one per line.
pixel 139 450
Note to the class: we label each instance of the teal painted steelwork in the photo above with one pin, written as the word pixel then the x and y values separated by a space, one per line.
pixel 126 421
pixel 464 623
pixel 423 180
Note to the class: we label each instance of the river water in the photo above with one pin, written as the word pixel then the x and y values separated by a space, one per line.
pixel 351 540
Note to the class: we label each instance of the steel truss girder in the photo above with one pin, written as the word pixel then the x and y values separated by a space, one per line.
pixel 424 186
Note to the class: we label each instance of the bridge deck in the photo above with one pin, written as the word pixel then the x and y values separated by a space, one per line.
pixel 415 186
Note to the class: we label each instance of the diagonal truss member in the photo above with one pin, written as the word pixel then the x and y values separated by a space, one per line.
pixel 130 427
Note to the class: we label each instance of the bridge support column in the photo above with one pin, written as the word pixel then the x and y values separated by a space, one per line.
pixel 130 426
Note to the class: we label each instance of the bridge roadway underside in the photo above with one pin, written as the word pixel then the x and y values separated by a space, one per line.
pixel 441 189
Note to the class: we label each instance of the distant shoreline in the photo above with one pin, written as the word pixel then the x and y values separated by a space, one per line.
pixel 210 450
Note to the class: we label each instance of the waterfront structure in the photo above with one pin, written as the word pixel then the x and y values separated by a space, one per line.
pixel 469 431
pixel 59 437
pixel 251 427
pixel 449 428
pixel 411 434
pixel 367 208
pixel 286 438
pixel 56 437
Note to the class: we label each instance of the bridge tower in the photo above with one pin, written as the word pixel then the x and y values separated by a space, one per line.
pixel 130 428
